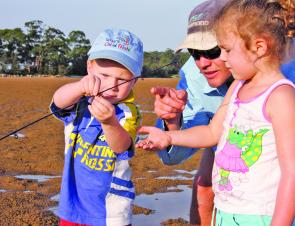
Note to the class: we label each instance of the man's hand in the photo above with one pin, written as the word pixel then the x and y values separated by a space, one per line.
pixel 169 104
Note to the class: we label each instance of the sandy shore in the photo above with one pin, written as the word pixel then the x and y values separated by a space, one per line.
pixel 40 152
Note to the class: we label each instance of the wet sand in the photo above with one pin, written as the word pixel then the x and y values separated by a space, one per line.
pixel 40 152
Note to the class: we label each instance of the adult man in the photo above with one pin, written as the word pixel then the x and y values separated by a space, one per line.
pixel 205 80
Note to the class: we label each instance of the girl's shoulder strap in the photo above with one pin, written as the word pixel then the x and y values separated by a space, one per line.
pixel 271 89
pixel 279 83
pixel 237 85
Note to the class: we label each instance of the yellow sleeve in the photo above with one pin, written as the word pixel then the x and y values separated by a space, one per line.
pixel 132 119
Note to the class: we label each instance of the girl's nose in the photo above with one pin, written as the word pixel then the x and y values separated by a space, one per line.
pixel 223 55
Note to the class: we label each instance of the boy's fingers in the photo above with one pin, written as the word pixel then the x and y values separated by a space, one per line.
pixel 99 104
pixel 96 87
pixel 90 85
pixel 101 100
pixel 90 109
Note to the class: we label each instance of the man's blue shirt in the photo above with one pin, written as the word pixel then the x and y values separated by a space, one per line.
pixel 203 101
pixel 288 70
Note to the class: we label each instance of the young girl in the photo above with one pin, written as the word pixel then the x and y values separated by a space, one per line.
pixel 253 175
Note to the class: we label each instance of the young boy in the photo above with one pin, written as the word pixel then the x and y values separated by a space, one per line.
pixel 100 128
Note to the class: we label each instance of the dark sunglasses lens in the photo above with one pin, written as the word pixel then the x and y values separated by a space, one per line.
pixel 208 54
pixel 194 53
pixel 213 53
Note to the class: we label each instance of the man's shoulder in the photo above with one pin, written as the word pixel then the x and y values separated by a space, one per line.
pixel 190 69
pixel 288 70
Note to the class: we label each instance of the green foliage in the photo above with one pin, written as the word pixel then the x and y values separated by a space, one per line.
pixel 41 49
pixel 154 60
pixel 77 55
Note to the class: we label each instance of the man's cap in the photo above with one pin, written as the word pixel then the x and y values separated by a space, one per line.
pixel 121 46
pixel 200 23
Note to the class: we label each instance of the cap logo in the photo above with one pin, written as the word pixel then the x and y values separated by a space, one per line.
pixel 119 42
pixel 198 20
pixel 196 17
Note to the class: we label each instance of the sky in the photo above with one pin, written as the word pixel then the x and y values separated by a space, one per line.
pixel 160 24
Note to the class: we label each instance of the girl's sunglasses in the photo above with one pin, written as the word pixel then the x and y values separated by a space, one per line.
pixel 210 54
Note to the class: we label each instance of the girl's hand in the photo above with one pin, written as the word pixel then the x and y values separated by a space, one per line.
pixel 157 139
pixel 89 85
pixel 102 110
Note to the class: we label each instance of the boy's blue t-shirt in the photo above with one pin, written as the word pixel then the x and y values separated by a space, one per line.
pixel 96 184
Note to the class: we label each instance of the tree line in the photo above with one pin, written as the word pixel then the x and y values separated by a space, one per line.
pixel 41 50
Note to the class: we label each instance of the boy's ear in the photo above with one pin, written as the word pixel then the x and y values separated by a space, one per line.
pixel 135 80
pixel 89 67
pixel 260 47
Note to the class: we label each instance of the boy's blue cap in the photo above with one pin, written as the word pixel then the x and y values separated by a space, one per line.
pixel 121 46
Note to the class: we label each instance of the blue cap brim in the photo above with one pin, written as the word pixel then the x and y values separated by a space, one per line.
pixel 119 57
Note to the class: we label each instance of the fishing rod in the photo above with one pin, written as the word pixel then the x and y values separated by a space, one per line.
pixel 14 132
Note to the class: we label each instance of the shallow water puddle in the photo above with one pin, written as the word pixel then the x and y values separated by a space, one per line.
pixel 193 172
pixel 147 112
pixel 17 135
pixel 170 205
pixel 39 178
pixel 177 177
pixel 190 175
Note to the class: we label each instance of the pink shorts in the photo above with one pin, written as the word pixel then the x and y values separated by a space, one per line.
pixel 63 222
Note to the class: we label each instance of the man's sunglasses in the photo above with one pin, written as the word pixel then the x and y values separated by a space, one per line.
pixel 210 54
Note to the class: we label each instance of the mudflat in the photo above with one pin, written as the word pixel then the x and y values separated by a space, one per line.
pixel 39 150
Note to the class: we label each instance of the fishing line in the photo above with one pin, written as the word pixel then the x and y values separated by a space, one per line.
pixel 14 133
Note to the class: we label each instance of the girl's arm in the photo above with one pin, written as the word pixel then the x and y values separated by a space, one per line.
pixel 281 108
pixel 197 137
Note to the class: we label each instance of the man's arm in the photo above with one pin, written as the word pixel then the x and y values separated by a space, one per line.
pixel 187 114
pixel 204 136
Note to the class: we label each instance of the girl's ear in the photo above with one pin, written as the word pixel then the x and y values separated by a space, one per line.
pixel 260 47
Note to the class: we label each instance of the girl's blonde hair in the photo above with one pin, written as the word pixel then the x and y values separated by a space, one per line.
pixel 273 20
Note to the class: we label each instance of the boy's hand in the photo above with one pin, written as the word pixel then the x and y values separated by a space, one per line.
pixel 157 139
pixel 90 85
pixel 102 110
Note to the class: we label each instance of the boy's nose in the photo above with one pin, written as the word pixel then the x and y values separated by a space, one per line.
pixel 114 84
